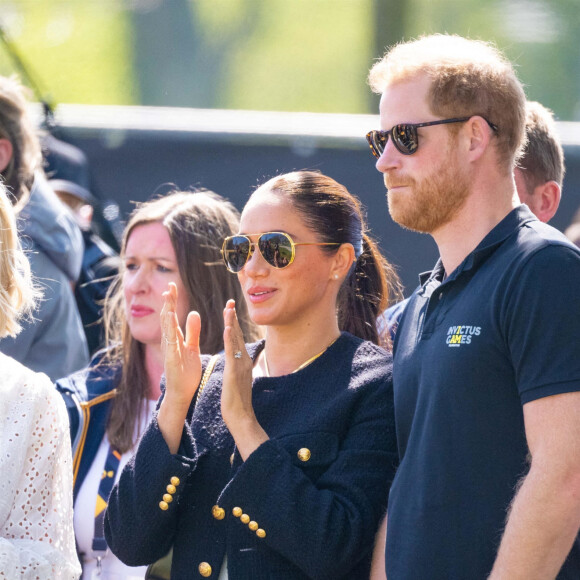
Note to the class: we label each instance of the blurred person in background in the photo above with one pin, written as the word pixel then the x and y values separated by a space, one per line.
pixel 274 469
pixel 100 262
pixel 573 230
pixel 53 340
pixel 36 520
pixel 176 238
pixel 539 173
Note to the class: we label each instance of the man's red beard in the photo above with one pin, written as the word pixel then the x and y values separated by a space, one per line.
pixel 427 205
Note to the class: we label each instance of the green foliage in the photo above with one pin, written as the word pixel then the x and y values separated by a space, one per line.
pixel 292 55
pixel 303 55
pixel 79 51
pixel 539 36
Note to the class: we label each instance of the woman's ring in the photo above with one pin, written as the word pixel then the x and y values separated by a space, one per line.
pixel 238 354
pixel 169 342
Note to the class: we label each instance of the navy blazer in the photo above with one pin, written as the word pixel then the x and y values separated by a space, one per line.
pixel 88 394
pixel 305 504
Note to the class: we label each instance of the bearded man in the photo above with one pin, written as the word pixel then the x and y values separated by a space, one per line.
pixel 486 360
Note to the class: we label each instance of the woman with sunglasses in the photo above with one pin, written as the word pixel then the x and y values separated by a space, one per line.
pixel 175 238
pixel 279 466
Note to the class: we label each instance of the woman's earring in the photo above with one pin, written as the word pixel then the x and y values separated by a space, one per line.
pixel 336 276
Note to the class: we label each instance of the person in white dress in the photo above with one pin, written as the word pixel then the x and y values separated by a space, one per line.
pixel 36 518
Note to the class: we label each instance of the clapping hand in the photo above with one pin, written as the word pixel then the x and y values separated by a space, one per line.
pixel 237 408
pixel 182 368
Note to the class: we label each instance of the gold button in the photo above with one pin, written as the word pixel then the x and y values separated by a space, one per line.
pixel 218 513
pixel 167 497
pixel 253 526
pixel 232 458
pixel 171 489
pixel 175 481
pixel 204 569
pixel 245 518
pixel 304 454
pixel 237 511
pixel 260 533
pixel 164 505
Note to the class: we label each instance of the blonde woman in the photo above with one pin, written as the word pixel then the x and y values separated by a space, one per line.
pixel 36 524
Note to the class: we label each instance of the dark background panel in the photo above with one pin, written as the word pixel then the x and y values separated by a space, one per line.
pixel 129 166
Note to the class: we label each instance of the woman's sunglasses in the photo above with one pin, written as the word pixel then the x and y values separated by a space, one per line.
pixel 277 248
pixel 405 137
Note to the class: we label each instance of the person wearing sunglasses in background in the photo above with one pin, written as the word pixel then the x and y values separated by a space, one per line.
pixel 486 368
pixel 276 468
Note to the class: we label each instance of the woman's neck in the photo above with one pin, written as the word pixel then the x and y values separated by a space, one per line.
pixel 154 368
pixel 287 348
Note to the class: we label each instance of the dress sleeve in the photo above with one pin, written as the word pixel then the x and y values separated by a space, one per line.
pixel 36 533
pixel 328 526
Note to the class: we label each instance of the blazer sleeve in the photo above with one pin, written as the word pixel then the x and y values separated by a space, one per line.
pixel 324 528
pixel 143 509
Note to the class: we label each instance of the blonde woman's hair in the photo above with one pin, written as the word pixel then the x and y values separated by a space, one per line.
pixel 18 294
pixel 468 77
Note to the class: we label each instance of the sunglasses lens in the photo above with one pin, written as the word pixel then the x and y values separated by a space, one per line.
pixel 377 141
pixel 276 249
pixel 236 251
pixel 405 138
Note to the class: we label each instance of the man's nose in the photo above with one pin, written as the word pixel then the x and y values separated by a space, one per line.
pixel 390 158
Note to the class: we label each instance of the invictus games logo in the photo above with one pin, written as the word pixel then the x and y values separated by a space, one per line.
pixel 458 335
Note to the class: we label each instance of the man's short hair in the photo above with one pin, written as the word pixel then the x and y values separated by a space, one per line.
pixel 542 159
pixel 17 127
pixel 468 77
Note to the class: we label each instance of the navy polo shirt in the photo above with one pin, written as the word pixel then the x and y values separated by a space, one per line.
pixel 500 331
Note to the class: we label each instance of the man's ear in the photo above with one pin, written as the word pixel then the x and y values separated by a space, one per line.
pixel 479 134
pixel 6 152
pixel 548 195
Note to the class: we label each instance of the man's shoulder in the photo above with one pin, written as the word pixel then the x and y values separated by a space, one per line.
pixel 543 250
pixel 532 246
pixel 535 236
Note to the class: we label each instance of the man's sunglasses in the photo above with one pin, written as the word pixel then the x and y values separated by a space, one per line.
pixel 277 248
pixel 405 137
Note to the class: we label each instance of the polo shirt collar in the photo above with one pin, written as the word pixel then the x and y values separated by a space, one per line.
pixel 515 219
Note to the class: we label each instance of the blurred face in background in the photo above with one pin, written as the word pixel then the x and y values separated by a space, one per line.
pixel 149 265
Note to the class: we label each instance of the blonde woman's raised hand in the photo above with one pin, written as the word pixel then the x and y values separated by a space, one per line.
pixel 237 409
pixel 182 363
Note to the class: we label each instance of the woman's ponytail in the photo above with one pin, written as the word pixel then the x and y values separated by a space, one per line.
pixel 335 215
pixel 369 288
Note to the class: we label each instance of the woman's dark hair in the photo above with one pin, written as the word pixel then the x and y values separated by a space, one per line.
pixel 197 223
pixel 335 215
